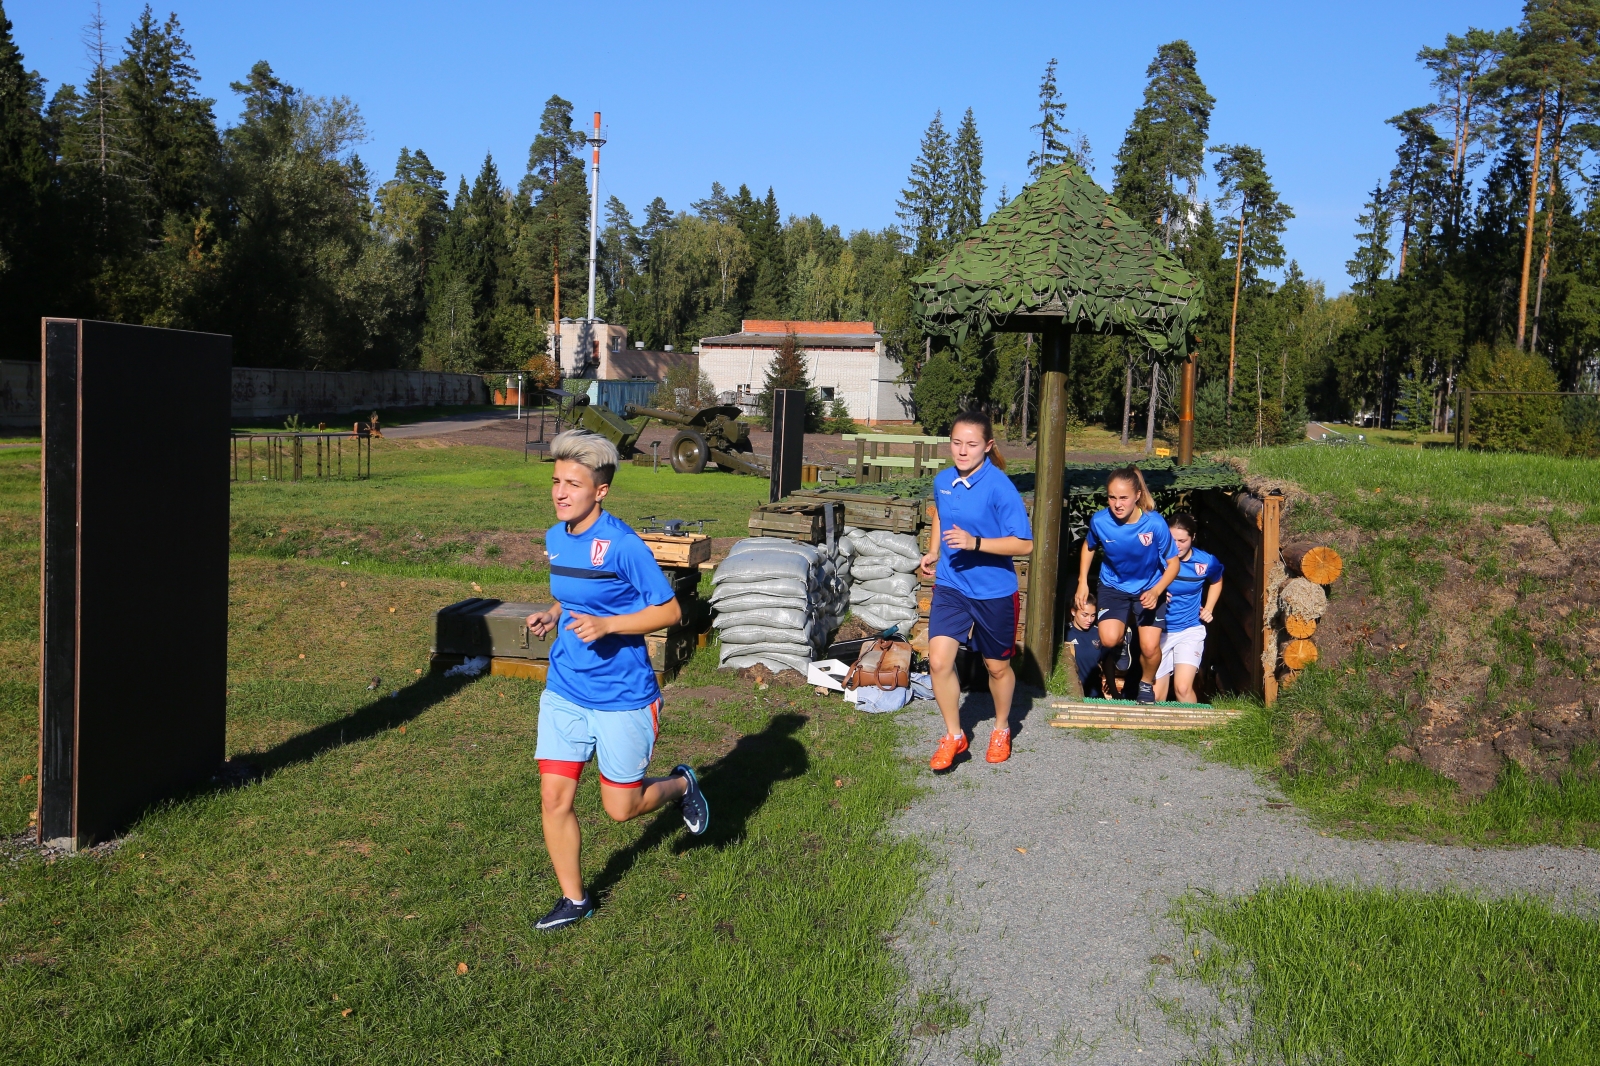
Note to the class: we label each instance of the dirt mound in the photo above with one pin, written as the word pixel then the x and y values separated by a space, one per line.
pixel 1483 634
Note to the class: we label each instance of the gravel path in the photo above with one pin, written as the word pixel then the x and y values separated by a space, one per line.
pixel 1051 947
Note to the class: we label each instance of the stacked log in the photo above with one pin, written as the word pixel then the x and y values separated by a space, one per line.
pixel 1299 603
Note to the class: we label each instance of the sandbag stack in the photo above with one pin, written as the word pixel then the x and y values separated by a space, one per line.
pixel 777 602
pixel 883 577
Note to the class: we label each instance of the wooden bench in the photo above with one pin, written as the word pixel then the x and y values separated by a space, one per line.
pixel 870 464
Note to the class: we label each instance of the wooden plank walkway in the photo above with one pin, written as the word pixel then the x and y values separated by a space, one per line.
pixel 1127 714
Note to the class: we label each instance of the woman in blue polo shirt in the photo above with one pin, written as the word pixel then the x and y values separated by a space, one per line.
pixel 979 526
pixel 1139 561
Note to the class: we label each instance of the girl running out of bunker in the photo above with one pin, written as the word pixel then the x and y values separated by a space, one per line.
pixel 1191 598
pixel 1138 561
pixel 980 525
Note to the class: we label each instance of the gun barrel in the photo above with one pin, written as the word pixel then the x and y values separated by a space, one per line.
pixel 634 411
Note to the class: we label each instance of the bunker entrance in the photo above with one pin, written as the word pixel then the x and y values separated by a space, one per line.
pixel 1240 528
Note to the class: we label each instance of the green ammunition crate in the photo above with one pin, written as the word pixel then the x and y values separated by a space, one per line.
pixel 670 648
pixel 490 627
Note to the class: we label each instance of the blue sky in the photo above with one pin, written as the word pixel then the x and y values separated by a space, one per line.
pixel 826 102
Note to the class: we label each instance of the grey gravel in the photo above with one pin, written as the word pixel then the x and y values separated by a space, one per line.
pixel 1052 949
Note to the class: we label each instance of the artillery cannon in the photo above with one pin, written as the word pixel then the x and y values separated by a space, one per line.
pixel 708 435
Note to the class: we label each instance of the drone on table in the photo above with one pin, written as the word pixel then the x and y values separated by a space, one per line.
pixel 674 527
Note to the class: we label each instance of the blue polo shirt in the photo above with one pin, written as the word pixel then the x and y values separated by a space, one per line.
pixel 1135 553
pixel 606 570
pixel 1187 591
pixel 986 504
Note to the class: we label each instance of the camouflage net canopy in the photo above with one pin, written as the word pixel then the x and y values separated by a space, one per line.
pixel 1061 250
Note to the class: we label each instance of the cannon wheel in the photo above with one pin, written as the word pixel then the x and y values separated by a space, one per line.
pixel 689 452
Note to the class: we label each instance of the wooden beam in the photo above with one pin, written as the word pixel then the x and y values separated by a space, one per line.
pixel 1044 568
pixel 1186 414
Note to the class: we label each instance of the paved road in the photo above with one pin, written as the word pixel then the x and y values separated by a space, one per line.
pixel 449 424
pixel 1052 948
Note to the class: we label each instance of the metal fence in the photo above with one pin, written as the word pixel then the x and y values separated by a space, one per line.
pixel 282 456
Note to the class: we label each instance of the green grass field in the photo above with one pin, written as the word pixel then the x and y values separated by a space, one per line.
pixel 371 899
pixel 1322 973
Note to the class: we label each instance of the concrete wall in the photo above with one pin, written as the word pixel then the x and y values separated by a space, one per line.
pixel 261 393
pixel 19 394
pixel 864 379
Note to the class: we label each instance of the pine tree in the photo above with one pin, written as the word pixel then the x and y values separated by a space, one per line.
pixel 788 371
pixel 1243 185
pixel 555 238
pixel 167 130
pixel 24 197
pixel 966 184
pixel 1372 256
pixel 766 245
pixel 1054 137
pixel 924 204
pixel 1163 153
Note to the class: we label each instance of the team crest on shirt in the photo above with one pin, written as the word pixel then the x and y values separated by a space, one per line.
pixel 597 551
pixel 1200 569
pixel 1146 537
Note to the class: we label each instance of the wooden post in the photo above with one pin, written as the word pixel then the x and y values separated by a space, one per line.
pixel 1271 513
pixel 1464 419
pixel 1044 569
pixel 877 471
pixel 1186 414
pixel 861 461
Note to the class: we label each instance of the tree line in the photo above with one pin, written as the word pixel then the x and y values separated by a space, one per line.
pixel 125 198
pixel 1478 255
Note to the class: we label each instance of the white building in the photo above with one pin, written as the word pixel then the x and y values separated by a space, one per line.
pixel 595 349
pixel 846 361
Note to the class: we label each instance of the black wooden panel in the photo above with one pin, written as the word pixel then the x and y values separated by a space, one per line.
pixel 788 441
pixel 152 543
pixel 58 585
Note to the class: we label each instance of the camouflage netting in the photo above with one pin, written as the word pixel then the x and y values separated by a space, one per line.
pixel 1062 247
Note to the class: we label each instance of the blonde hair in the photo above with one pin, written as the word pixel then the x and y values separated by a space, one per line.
pixel 587 449
pixel 1135 477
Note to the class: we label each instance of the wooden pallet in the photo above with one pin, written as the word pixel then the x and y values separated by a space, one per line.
pixel 1126 714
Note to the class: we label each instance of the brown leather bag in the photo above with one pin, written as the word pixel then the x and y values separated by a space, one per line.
pixel 884 663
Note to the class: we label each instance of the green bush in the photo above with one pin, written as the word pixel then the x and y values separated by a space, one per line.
pixel 1514 423
pixel 839 419
pixel 937 394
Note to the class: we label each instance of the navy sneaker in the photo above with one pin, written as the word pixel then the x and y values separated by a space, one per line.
pixel 1147 692
pixel 1125 661
pixel 565 913
pixel 696 812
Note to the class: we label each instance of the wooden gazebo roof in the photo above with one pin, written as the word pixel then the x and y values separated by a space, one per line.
pixel 1063 254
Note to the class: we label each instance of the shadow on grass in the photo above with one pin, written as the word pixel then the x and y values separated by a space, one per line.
pixel 736 786
pixel 384 712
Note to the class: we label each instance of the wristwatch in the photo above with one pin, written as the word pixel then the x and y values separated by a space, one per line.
pixel 977 543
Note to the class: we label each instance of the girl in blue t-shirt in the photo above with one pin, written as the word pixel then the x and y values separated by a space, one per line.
pixel 1138 562
pixel 1191 599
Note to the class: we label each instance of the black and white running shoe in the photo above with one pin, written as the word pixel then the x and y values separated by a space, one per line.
pixel 565 913
pixel 696 812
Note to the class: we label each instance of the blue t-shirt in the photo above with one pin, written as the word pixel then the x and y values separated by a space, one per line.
pixel 1187 591
pixel 1136 553
pixel 1085 649
pixel 605 570
pixel 986 504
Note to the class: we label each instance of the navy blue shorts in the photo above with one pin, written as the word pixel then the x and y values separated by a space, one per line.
pixel 988 627
pixel 1113 605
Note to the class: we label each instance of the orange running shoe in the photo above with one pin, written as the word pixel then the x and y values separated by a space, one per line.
pixel 999 745
pixel 949 748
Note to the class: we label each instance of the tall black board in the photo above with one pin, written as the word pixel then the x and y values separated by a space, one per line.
pixel 788 441
pixel 134 590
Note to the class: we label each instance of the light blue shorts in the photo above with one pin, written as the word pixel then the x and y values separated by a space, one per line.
pixel 569 735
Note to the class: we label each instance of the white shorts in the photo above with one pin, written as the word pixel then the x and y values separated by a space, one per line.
pixel 1185 646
